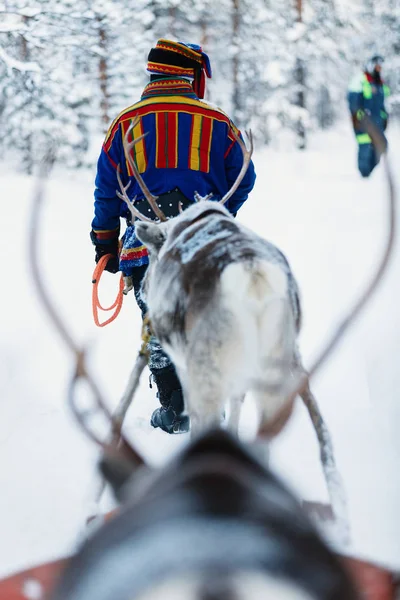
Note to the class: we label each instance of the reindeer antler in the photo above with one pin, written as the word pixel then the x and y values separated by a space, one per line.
pixel 151 199
pixel 246 161
pixel 81 370
pixel 131 203
pixel 302 387
pixel 380 144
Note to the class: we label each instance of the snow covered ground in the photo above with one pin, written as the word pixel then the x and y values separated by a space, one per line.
pixel 330 223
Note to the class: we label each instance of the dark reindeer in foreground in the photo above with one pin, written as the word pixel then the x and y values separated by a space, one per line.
pixel 224 305
pixel 215 524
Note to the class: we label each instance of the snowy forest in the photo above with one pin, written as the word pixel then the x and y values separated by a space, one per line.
pixel 67 67
pixel 282 69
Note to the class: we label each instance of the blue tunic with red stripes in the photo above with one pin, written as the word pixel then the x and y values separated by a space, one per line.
pixel 189 145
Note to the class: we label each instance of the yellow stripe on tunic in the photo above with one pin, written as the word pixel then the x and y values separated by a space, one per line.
pixel 140 155
pixel 195 143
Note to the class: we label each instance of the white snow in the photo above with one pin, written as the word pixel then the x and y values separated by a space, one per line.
pixel 13 63
pixel 331 225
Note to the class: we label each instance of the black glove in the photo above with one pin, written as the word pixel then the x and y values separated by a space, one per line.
pixel 111 247
pixel 112 265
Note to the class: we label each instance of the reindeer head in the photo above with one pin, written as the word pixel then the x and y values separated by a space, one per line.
pixel 154 235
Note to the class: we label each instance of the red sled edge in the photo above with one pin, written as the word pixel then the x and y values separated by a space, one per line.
pixel 36 582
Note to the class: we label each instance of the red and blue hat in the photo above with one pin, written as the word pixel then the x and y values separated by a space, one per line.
pixel 178 59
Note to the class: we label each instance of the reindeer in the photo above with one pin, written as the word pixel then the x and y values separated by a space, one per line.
pixel 215 524
pixel 223 303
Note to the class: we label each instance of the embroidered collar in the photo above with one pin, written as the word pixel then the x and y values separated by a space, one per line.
pixel 170 86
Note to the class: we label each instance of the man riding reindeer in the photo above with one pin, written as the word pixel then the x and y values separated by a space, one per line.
pixel 189 147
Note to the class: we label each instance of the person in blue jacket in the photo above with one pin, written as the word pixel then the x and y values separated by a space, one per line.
pixel 366 96
pixel 189 146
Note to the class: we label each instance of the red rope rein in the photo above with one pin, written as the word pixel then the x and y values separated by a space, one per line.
pixel 96 306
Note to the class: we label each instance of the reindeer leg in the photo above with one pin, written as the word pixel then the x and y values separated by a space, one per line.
pixel 277 341
pixel 204 399
pixel 207 385
pixel 235 403
pixel 200 423
pixel 214 359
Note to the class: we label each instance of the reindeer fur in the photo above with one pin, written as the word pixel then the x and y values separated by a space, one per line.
pixel 212 524
pixel 225 306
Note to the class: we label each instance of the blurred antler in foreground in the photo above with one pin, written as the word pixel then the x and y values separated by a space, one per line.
pixel 302 387
pixel 380 143
pixel 100 407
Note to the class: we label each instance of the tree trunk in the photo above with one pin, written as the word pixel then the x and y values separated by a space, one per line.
pixel 204 43
pixel 204 32
pixel 27 151
pixel 172 20
pixel 235 60
pixel 324 108
pixel 300 79
pixel 103 77
pixel 300 75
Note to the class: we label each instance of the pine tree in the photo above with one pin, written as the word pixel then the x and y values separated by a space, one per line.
pixel 68 67
pixel 387 43
pixel 41 108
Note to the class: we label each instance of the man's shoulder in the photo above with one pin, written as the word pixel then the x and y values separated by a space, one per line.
pixel 356 82
pixel 126 113
pixel 218 109
pixel 113 128
pixel 173 104
pixel 212 106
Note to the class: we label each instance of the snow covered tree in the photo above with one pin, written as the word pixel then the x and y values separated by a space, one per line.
pixel 68 67
pixel 41 108
pixel 387 43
